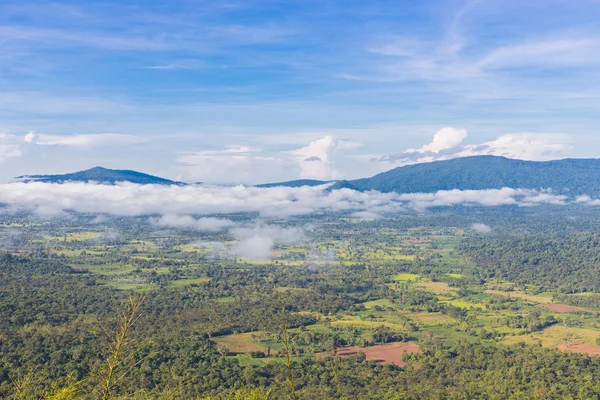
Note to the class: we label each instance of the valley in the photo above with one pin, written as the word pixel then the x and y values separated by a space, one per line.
pixel 384 292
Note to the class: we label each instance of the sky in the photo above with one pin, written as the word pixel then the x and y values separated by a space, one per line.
pixel 263 91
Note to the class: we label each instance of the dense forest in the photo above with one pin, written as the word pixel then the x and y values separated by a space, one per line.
pixel 126 310
pixel 57 322
pixel 567 263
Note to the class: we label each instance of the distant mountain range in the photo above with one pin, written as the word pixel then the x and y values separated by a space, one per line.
pixel 573 176
pixel 102 175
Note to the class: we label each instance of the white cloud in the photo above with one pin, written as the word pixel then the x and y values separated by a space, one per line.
pixel 444 139
pixel 413 59
pixel 57 37
pixel 234 163
pixel 316 160
pixel 8 149
pixel 481 228
pixel 489 197
pixel 257 242
pixel 178 65
pixel 237 163
pixel 587 200
pixel 84 140
pixel 583 199
pixel 31 137
pixel 545 53
pixel 447 143
pixel 127 199
pixel 189 222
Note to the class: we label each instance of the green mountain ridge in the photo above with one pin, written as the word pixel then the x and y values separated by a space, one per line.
pixel 574 176
pixel 101 175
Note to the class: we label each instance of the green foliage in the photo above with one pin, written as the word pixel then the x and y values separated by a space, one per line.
pixel 205 318
pixel 568 263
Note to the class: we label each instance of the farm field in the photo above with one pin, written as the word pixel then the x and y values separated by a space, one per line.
pixel 340 291
pixel 390 353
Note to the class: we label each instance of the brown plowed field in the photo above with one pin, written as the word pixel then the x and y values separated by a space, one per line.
pixel 580 348
pixel 389 353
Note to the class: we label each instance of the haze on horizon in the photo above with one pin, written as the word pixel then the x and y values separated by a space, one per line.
pixel 263 91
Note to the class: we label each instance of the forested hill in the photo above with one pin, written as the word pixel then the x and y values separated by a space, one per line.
pixel 572 176
pixel 568 176
pixel 575 176
pixel 102 175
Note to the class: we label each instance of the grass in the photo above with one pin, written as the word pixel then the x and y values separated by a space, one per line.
pixel 381 303
pixel 405 277
pixel 75 236
pixel 224 299
pixel 556 335
pixel 449 336
pixel 366 323
pixel 131 286
pixel 520 295
pixel 108 269
pixel 455 276
pixel 437 287
pixel 462 303
pixel 186 282
pixel 240 343
pixel 431 319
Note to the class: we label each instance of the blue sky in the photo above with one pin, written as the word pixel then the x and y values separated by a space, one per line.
pixel 256 91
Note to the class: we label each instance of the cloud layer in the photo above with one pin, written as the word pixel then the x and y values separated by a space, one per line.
pixel 481 228
pixel 256 243
pixel 173 202
pixel 86 140
pixel 7 148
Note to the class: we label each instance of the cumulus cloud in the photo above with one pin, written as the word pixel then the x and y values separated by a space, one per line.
pixel 585 199
pixel 256 243
pixel 444 139
pixel 481 228
pixel 31 137
pixel 316 160
pixel 128 199
pixel 8 149
pixel 189 222
pixel 84 140
pixel 448 143
pixel 239 163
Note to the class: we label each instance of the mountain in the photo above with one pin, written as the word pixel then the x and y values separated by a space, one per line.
pixel 296 183
pixel 102 175
pixel 573 176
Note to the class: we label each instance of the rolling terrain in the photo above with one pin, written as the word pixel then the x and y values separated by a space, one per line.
pixel 567 176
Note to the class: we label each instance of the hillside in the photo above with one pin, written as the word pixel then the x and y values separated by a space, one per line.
pixel 575 176
pixel 102 175
pixel 572 176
